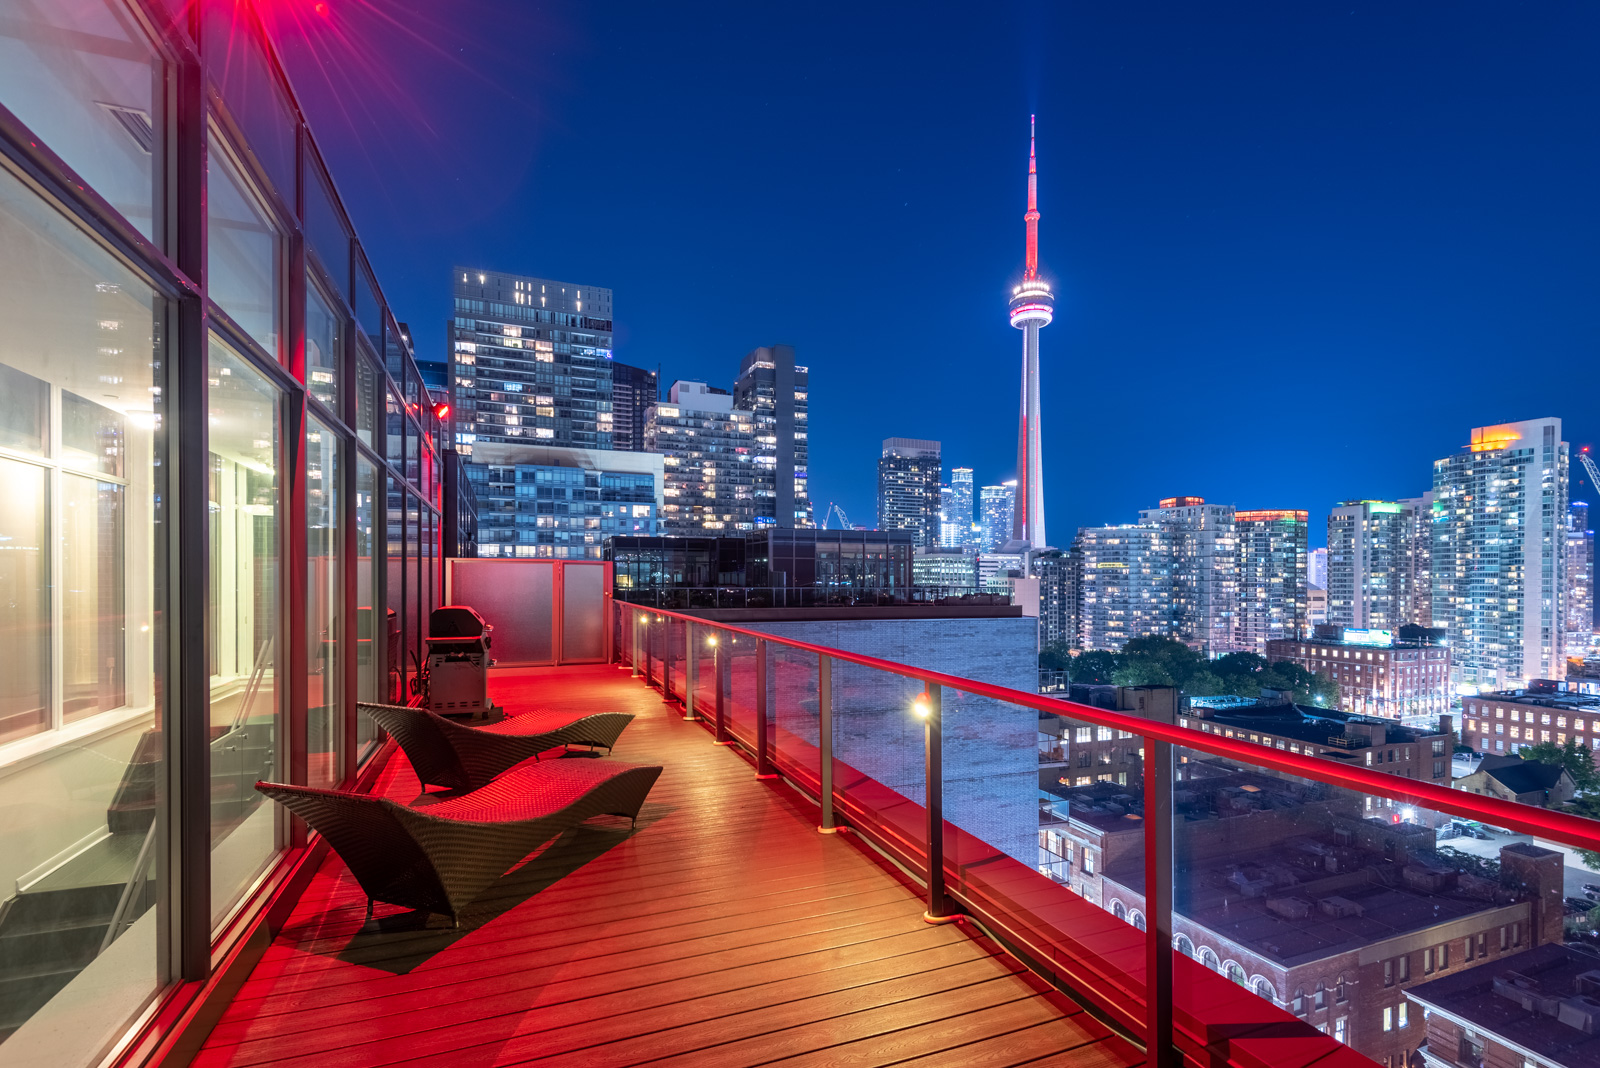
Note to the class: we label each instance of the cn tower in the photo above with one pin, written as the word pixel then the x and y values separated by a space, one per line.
pixel 1032 306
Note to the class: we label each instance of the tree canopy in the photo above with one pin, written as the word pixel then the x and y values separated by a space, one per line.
pixel 1159 661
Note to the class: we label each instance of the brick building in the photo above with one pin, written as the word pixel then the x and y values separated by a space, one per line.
pixel 1286 889
pixel 1539 1007
pixel 1502 723
pixel 1379 675
pixel 1358 741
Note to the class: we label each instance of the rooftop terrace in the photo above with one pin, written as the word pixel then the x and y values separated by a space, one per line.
pixel 724 930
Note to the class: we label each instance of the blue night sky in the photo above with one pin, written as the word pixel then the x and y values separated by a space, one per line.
pixel 1299 249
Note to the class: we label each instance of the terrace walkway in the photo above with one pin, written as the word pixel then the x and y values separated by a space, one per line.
pixel 724 931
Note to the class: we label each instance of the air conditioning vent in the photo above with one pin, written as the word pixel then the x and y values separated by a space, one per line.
pixel 136 122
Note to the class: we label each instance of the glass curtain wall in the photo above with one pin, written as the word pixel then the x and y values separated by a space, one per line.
pixel 246 647
pixel 88 533
pixel 83 550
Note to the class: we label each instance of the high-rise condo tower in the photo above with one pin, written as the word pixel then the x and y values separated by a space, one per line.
pixel 1032 306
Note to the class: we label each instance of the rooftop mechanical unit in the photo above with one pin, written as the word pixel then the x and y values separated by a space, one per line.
pixel 458 661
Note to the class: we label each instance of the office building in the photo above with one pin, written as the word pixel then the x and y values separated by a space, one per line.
pixel 1580 581
pixel 776 392
pixel 547 502
pixel 997 569
pixel 1377 563
pixel 215 541
pixel 995 506
pixel 1127 588
pixel 1060 575
pixel 1204 571
pixel 1316 606
pixel 1500 554
pixel 1273 603
pixel 1379 672
pixel 633 392
pixel 1317 567
pixel 1547 711
pixel 908 489
pixel 955 570
pixel 531 361
pixel 1538 1007
pixel 710 459
pixel 955 510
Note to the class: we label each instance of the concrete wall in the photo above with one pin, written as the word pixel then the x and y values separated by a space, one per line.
pixel 990 760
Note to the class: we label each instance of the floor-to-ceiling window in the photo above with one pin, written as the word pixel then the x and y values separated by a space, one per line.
pixel 325 706
pixel 246 609
pixel 83 555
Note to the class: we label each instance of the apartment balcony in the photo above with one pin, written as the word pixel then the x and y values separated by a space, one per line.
pixel 781 900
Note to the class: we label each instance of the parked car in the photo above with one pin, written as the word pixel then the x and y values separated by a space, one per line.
pixel 1592 888
pixel 1578 905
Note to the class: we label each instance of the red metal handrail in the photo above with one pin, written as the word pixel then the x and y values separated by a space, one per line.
pixel 1578 832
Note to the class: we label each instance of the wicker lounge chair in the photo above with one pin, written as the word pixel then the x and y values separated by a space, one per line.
pixel 441 856
pixel 459 757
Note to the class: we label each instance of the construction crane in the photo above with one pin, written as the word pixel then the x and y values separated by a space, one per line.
pixel 1589 466
pixel 844 520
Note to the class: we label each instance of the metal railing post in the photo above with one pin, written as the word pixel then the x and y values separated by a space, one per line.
pixel 691 664
pixel 649 652
pixel 666 659
pixel 933 787
pixel 1158 772
pixel 763 765
pixel 633 621
pixel 825 739
pixel 721 663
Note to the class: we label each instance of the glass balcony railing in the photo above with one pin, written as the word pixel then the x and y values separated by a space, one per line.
pixel 1206 895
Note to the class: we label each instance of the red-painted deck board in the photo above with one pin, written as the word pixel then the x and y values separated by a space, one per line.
pixel 723 931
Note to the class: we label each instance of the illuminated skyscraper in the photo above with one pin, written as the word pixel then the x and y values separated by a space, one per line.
pixel 1032 306
pixel 995 507
pixel 1500 554
pixel 955 510
pixel 908 489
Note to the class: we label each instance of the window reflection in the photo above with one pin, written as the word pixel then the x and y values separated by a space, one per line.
pixel 244 252
pixel 324 349
pixel 245 598
pixel 86 79
pixel 81 585
pixel 324 600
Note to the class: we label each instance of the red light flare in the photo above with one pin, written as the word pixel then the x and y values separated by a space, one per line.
pixel 441 410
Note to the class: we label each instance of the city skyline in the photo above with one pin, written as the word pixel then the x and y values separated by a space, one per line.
pixel 1317 237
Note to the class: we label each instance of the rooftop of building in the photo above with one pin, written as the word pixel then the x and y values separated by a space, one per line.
pixel 1320 726
pixel 1522 776
pixel 1542 694
pixel 1408 636
pixel 1311 896
pixel 1544 1002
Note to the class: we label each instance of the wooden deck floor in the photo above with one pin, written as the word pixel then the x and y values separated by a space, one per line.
pixel 723 931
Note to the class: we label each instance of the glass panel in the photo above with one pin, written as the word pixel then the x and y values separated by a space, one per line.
pixel 416 616
pixel 368 383
pixel 326 232
pixel 396 418
pixel 244 252
pixel 582 613
pixel 395 585
pixel 24 600
pixel 792 704
pixel 86 79
pixel 246 703
pixel 324 350
pixel 369 614
pixel 239 65
pixel 81 778
pixel 516 598
pixel 24 412
pixel 91 435
pixel 368 308
pixel 412 470
pixel 325 710
pixel 93 617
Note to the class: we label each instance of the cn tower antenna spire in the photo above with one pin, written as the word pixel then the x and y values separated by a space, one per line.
pixel 1032 216
pixel 1032 307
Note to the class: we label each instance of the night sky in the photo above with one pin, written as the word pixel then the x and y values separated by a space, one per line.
pixel 1299 249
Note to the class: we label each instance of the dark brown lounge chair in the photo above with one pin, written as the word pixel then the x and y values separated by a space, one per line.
pixel 459 757
pixel 441 856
